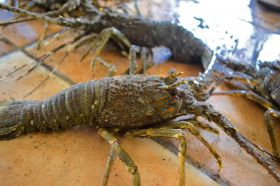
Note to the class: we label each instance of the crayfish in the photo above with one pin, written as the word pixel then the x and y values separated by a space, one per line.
pixel 136 105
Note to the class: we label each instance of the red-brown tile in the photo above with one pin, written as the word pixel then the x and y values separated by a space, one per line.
pixel 24 33
pixel 5 47
pixel 17 64
pixel 78 157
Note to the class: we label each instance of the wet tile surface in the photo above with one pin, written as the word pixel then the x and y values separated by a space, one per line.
pixel 78 157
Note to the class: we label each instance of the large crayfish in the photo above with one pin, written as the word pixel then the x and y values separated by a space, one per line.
pixel 137 105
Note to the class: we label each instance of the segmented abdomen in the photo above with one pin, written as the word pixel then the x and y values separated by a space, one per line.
pixel 123 102
pixel 77 105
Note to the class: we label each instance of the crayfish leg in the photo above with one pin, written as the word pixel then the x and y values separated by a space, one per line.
pixel 196 133
pixel 112 69
pixel 248 94
pixel 205 126
pixel 103 38
pixel 116 150
pixel 271 126
pixel 268 116
pixel 209 112
pixel 146 60
pixel 43 35
pixel 170 133
pixel 191 125
pixel 132 57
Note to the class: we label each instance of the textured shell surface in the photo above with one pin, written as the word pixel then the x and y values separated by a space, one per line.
pixel 136 101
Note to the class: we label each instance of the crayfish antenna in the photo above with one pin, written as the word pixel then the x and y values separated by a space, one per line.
pixel 204 85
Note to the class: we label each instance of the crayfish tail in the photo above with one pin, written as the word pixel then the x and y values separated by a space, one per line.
pixel 10 121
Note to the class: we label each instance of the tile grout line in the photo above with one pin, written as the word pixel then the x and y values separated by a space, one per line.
pixel 44 65
pixel 15 47
pixel 51 69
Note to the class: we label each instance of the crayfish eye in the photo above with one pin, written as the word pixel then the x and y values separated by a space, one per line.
pixel 180 92
pixel 177 91
pixel 172 93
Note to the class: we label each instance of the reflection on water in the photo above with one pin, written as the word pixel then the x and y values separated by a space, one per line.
pixel 232 26
pixel 271 49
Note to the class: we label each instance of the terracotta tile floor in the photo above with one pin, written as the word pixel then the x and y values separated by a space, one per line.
pixel 78 157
